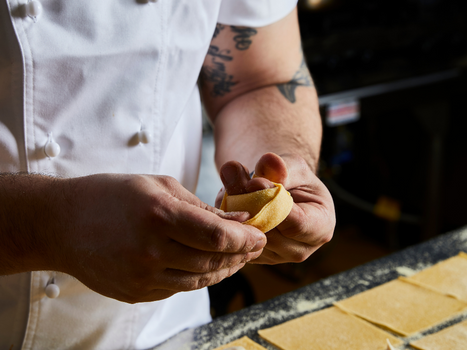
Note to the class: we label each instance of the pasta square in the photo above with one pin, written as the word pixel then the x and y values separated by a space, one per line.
pixel 448 277
pixel 402 307
pixel 329 329
pixel 451 338
pixel 245 342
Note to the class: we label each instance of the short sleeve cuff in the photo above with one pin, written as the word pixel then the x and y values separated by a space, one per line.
pixel 254 13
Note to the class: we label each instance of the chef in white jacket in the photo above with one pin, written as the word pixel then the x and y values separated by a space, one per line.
pixel 102 243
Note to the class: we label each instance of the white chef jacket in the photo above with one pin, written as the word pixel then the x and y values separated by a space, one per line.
pixel 111 84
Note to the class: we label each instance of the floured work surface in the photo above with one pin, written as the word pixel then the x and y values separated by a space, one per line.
pixel 328 329
pixel 451 338
pixel 403 307
pixel 244 342
pixel 321 294
pixel 448 277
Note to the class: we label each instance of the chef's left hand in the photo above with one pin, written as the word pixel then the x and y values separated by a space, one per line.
pixel 311 222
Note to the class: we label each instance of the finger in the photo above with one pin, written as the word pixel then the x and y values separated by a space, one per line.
pixel 272 167
pixel 172 187
pixel 288 169
pixel 219 197
pixel 180 257
pixel 287 249
pixel 235 177
pixel 175 189
pixel 268 258
pixel 178 280
pixel 309 222
pixel 239 216
pixel 258 184
pixel 203 230
pixel 253 185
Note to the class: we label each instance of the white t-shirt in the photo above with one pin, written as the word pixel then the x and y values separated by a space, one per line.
pixel 88 77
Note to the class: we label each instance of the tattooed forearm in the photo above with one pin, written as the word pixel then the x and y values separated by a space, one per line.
pixel 218 29
pixel 301 78
pixel 216 74
pixel 243 37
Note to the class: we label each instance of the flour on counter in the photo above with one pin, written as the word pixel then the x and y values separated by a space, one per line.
pixel 307 305
pixel 405 271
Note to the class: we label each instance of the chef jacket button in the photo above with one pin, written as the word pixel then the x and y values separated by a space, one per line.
pixel 52 291
pixel 33 8
pixel 52 149
pixel 143 136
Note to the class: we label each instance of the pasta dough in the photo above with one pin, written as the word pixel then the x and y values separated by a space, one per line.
pixel 451 338
pixel 448 277
pixel 244 342
pixel 329 329
pixel 402 307
pixel 268 207
pixel 405 306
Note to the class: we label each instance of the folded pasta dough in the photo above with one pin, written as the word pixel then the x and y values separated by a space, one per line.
pixel 268 207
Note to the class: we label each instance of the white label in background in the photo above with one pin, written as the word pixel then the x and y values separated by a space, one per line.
pixel 342 112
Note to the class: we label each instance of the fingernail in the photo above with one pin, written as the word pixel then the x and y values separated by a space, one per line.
pixel 239 216
pixel 251 256
pixel 229 174
pixel 259 245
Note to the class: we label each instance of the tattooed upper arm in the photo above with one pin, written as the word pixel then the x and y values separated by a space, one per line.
pixel 301 78
pixel 215 72
pixel 243 59
pixel 243 37
pixel 218 29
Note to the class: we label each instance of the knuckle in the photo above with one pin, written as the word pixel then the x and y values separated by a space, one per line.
pixel 231 271
pixel 219 237
pixel 217 262
pixel 203 281
pixel 132 299
pixel 168 181
pixel 327 237
pixel 301 226
pixel 299 257
pixel 133 294
pixel 298 254
pixel 187 283
pixel 148 257
pixel 191 284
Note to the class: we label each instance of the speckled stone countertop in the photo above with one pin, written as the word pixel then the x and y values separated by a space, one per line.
pixel 321 294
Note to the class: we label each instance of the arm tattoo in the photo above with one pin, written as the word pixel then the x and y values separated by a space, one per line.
pixel 218 29
pixel 301 78
pixel 243 37
pixel 216 73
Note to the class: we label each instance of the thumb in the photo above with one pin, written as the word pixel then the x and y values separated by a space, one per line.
pixel 236 179
pixel 272 167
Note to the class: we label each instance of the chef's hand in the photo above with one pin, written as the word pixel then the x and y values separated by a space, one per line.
pixel 144 238
pixel 311 222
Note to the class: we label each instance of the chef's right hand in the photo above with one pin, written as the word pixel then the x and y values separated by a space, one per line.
pixel 140 238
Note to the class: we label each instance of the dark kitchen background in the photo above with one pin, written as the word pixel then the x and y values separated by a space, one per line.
pixel 392 84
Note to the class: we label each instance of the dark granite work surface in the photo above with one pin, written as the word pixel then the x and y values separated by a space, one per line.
pixel 320 295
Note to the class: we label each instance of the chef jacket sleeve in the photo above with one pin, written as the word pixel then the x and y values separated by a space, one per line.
pixel 254 13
